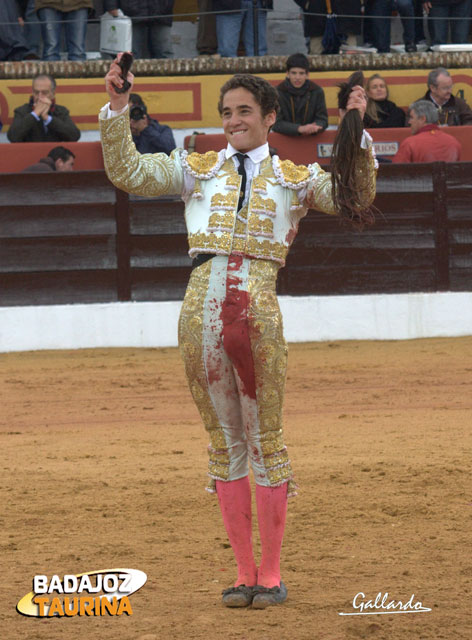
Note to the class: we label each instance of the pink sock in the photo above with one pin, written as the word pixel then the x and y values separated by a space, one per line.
pixel 271 513
pixel 235 504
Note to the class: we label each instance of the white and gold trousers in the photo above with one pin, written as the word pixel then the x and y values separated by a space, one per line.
pixel 235 355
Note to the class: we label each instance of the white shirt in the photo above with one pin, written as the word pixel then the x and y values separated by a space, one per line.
pixel 252 163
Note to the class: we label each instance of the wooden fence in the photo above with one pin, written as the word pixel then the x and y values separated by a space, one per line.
pixel 74 238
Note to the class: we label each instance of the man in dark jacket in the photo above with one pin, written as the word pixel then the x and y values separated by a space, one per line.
pixel 453 111
pixel 302 102
pixel 155 32
pixel 58 159
pixel 41 119
pixel 148 135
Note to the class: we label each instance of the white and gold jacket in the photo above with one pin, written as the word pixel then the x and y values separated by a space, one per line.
pixel 264 228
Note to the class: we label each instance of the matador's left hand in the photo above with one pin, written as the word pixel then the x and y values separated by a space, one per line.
pixel 357 100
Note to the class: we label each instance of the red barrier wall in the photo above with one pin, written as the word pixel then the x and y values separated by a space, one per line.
pixel 304 150
pixel 16 157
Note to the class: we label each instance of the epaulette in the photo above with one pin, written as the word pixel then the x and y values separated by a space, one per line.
pixel 202 165
pixel 289 174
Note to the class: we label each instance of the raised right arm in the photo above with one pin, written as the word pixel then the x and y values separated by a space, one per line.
pixel 142 174
pixel 149 174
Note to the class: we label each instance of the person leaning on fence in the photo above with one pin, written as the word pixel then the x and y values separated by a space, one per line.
pixel 41 119
pixel 302 102
pixel 453 111
pixel 428 142
pixel 68 17
pixel 242 211
pixel 58 159
pixel 152 23
pixel 240 21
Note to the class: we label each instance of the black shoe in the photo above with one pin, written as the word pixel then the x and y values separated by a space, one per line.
pixel 240 596
pixel 410 47
pixel 265 597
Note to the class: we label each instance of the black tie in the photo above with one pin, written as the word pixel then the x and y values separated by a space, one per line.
pixel 242 173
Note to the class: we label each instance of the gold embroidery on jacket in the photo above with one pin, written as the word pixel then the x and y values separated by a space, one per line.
pixel 266 249
pixel 202 163
pixel 294 173
pixel 259 184
pixel 232 182
pixel 220 243
pixel 221 222
pixel 260 227
pixel 240 227
pixel 263 205
pixel 143 175
pixel 239 245
pixel 226 201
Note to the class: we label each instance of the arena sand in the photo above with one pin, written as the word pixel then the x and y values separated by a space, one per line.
pixel 103 465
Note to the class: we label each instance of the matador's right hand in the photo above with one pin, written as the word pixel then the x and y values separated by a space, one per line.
pixel 113 77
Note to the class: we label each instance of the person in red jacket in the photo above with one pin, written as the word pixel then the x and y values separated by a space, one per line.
pixel 428 142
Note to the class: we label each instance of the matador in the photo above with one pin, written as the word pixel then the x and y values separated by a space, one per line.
pixel 242 211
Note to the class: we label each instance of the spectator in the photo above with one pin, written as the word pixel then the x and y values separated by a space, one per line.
pixel 58 159
pixel 207 43
pixel 348 28
pixel 302 102
pixel 229 26
pixel 70 15
pixel 420 39
pixel 13 45
pixel 381 26
pixel 428 143
pixel 148 33
pixel 41 119
pixel 380 111
pixel 368 35
pixel 458 10
pixel 148 135
pixel 453 111
pixel 31 26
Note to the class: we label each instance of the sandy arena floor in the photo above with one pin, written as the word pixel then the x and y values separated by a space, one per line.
pixel 103 465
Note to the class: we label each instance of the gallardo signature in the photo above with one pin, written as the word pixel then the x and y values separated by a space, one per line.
pixel 382 604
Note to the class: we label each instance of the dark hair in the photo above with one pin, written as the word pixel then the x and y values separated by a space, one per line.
pixel 48 76
pixel 135 98
pixel 298 60
pixel 346 190
pixel 60 153
pixel 264 93
pixel 137 112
